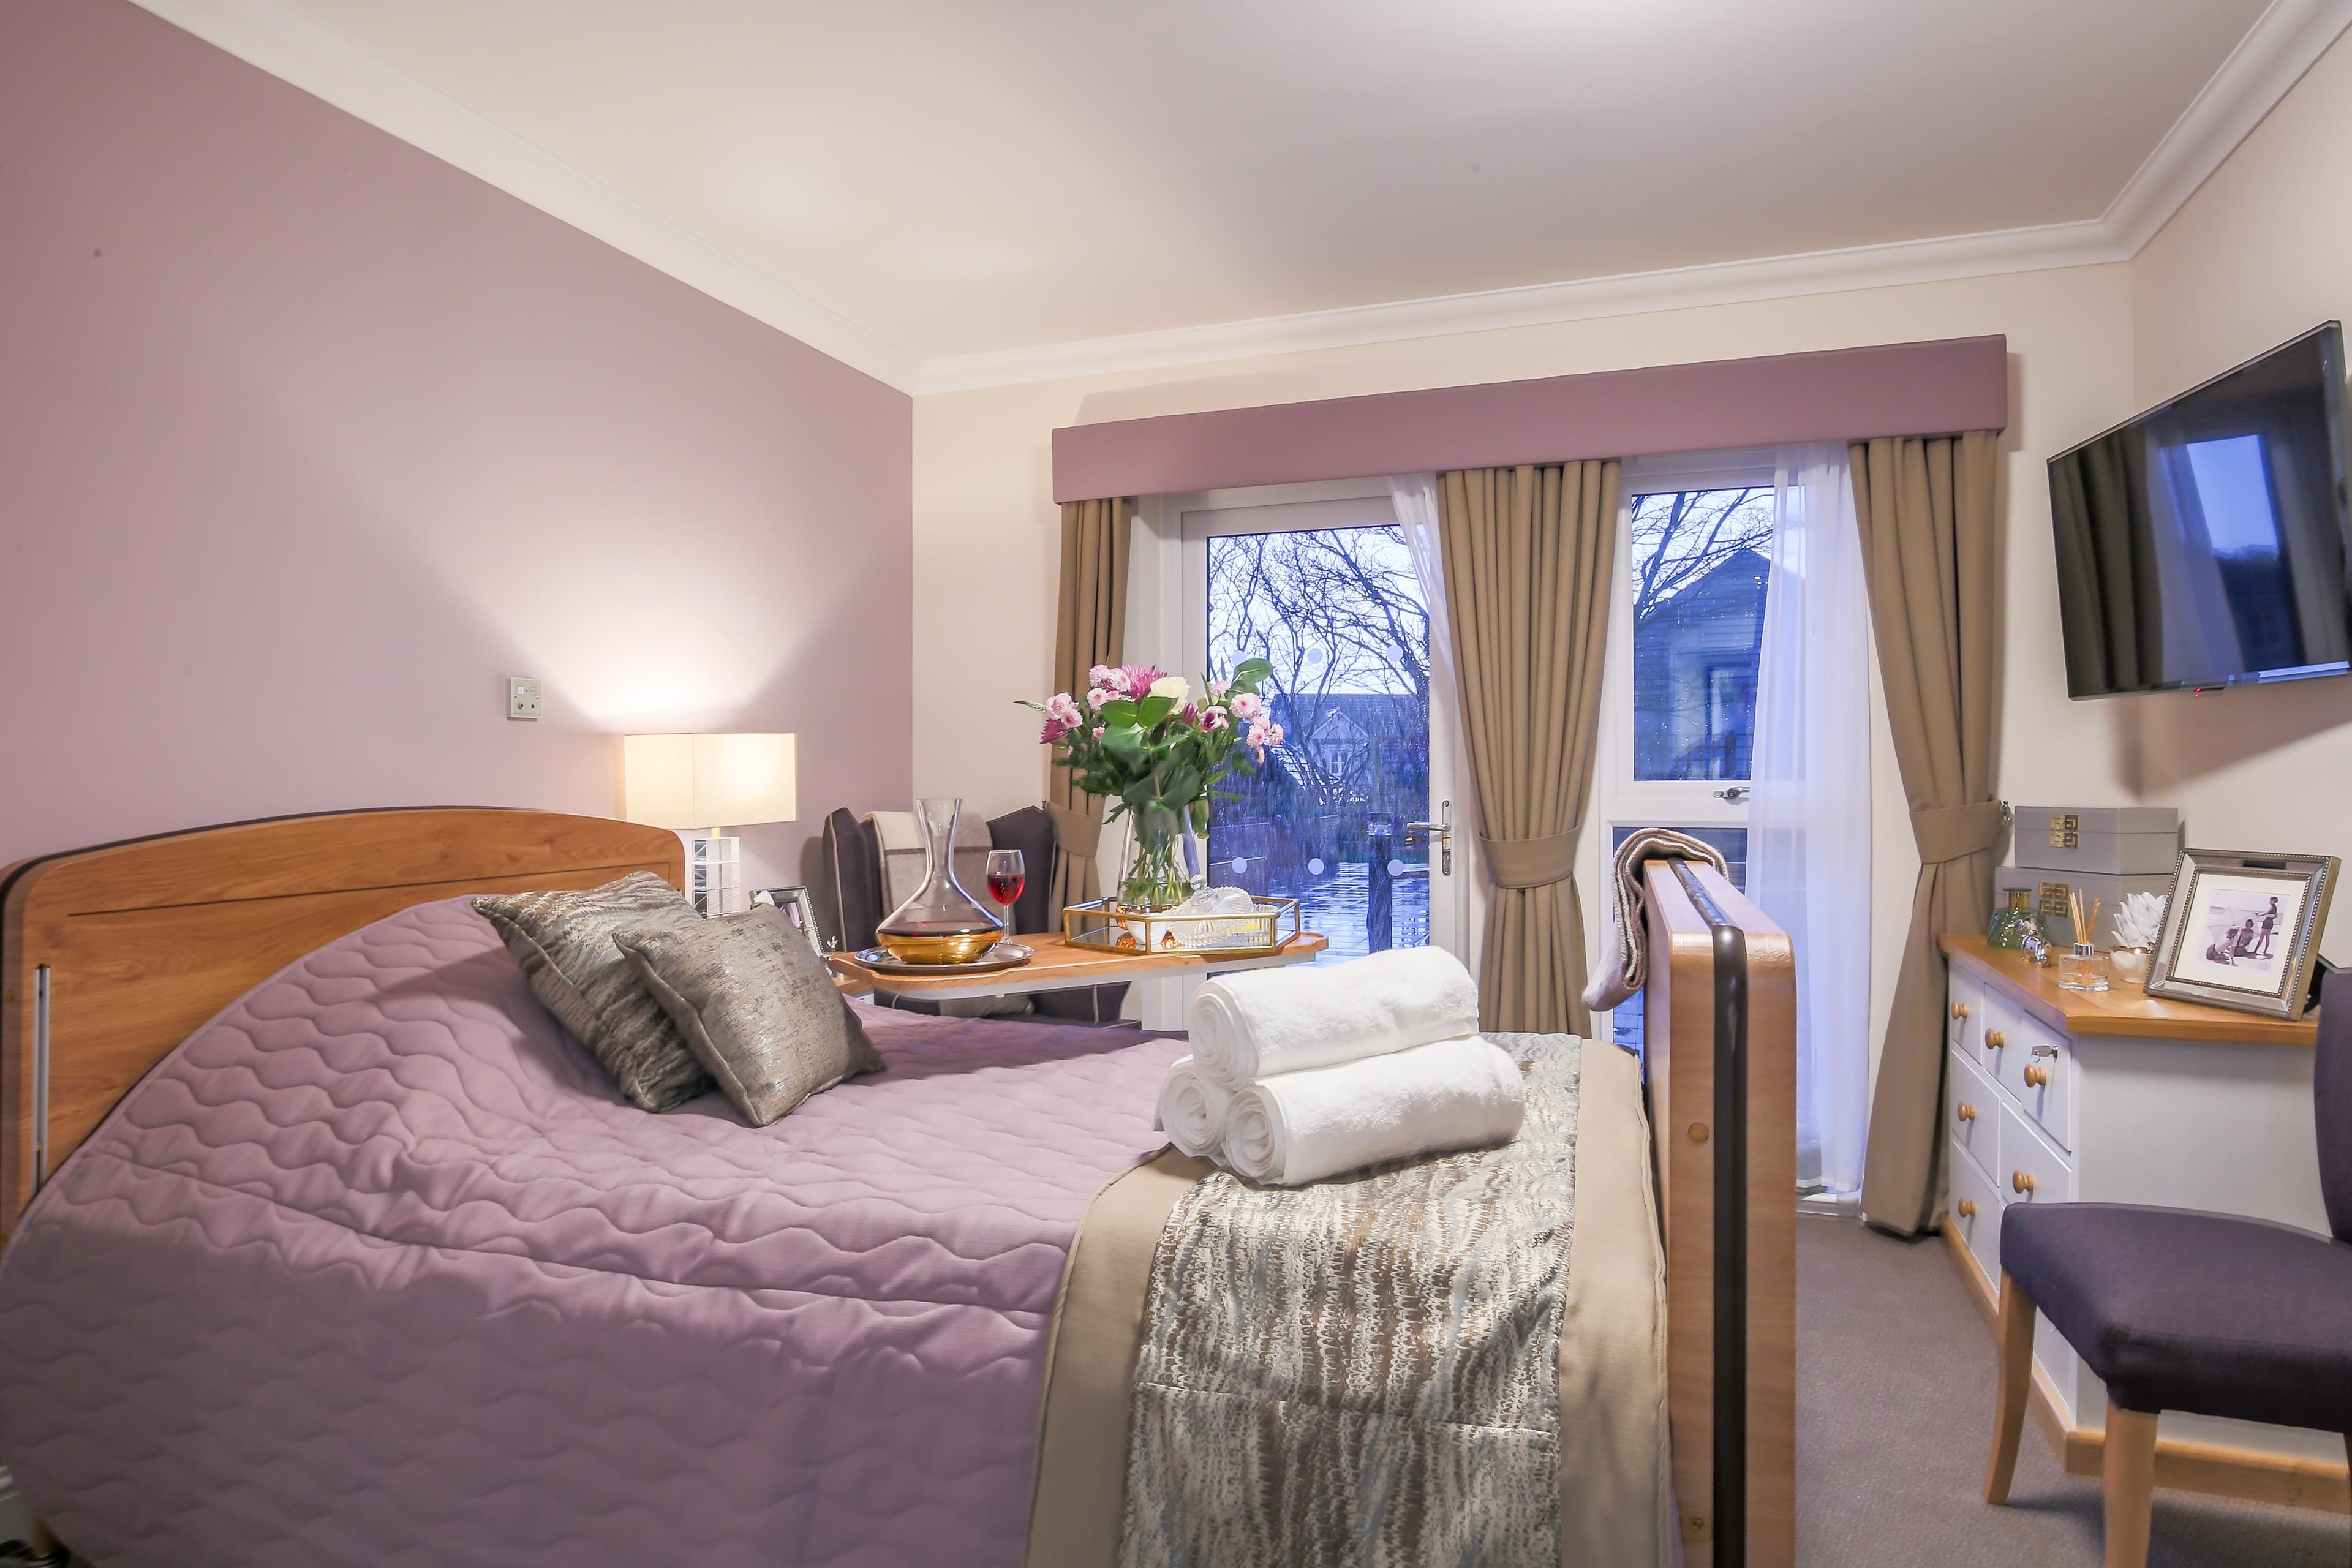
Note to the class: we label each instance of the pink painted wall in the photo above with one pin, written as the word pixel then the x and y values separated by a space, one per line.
pixel 308 440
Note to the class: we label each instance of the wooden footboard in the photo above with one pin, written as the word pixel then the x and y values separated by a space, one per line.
pixel 1720 1020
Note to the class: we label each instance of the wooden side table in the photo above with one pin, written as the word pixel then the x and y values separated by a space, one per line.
pixel 1059 966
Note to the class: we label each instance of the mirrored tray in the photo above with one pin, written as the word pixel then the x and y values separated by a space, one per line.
pixel 1003 955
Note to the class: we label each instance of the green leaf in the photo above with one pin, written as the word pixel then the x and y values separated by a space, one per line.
pixel 1118 710
pixel 1250 672
pixel 1151 710
pixel 1201 815
pixel 1125 742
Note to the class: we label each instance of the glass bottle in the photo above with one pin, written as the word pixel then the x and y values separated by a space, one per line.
pixel 942 923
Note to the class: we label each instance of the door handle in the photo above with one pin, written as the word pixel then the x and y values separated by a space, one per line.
pixel 1735 795
pixel 1440 833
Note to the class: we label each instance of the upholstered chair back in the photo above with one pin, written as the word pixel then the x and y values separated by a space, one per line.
pixel 2332 1100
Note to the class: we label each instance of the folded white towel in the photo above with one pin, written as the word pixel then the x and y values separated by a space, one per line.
pixel 1193 1109
pixel 1262 1022
pixel 1300 1126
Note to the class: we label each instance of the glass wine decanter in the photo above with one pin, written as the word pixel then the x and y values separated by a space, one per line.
pixel 942 923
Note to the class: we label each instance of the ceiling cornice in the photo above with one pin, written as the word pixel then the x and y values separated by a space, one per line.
pixel 2285 41
pixel 293 48
pixel 2281 45
pixel 1678 288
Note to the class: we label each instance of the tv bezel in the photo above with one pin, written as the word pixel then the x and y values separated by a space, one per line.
pixel 2331 336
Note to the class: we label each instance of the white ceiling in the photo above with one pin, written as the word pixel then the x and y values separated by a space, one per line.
pixel 961 178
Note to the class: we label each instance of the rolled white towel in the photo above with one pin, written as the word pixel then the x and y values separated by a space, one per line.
pixel 1300 1126
pixel 1193 1109
pixel 1262 1022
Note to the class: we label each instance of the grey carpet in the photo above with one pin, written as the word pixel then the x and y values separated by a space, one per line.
pixel 1895 1386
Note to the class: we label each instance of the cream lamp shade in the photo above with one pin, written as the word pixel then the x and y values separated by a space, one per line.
pixel 686 782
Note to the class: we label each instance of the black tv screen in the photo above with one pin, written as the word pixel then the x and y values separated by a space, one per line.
pixel 2204 543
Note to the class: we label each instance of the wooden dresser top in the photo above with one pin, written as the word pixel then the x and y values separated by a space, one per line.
pixel 2125 1009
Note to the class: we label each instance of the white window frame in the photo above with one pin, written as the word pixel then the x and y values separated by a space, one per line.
pixel 1170 573
pixel 1625 801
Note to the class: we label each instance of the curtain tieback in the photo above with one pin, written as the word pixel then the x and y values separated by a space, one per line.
pixel 1078 833
pixel 1530 862
pixel 1957 832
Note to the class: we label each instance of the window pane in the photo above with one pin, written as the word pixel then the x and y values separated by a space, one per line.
pixel 1338 612
pixel 1732 843
pixel 1699 570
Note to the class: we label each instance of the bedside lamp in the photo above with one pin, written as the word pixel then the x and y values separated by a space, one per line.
pixel 691 783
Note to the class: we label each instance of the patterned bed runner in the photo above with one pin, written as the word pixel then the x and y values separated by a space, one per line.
pixel 1364 1371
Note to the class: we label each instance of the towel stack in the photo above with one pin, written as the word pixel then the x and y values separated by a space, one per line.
pixel 1299 1074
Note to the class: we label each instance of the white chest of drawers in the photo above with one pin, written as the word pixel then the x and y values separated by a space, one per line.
pixel 2053 1096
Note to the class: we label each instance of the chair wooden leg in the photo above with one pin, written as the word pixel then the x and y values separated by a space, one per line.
pixel 2127 1481
pixel 2016 1385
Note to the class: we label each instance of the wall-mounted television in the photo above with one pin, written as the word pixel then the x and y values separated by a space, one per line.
pixel 2204 543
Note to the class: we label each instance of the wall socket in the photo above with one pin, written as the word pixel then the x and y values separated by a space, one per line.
pixel 522 697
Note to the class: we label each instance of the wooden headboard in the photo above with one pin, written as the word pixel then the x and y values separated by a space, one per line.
pixel 1719 1019
pixel 129 947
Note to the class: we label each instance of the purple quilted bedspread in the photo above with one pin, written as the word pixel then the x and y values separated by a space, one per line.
pixel 376 1268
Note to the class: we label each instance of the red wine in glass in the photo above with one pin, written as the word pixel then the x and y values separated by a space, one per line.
pixel 1006 876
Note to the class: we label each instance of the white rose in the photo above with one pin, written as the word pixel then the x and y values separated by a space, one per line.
pixel 1174 686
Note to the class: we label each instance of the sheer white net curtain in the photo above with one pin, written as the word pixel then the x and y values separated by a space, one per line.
pixel 1809 816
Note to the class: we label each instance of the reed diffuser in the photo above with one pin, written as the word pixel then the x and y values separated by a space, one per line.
pixel 2086 967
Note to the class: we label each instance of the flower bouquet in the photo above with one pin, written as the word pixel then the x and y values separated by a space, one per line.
pixel 1143 741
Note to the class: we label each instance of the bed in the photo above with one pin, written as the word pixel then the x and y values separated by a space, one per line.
pixel 356 1258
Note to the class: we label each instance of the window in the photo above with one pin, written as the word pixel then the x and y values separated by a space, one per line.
pixel 1678 730
pixel 1339 611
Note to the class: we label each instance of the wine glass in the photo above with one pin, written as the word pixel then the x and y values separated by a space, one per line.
pixel 1006 874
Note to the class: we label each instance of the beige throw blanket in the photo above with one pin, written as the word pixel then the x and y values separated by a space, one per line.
pixel 1625 944
pixel 1449 1361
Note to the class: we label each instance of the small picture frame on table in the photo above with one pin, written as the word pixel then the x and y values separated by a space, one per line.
pixel 799 906
pixel 2242 930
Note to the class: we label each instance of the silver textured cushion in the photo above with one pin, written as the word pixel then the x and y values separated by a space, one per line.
pixel 564 942
pixel 756 1005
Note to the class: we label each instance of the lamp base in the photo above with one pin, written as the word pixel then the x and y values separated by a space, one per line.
pixel 714 872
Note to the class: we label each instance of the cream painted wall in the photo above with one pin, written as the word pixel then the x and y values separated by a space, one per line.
pixel 2258 256
pixel 987 532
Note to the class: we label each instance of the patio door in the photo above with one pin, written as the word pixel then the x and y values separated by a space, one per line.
pixel 1356 812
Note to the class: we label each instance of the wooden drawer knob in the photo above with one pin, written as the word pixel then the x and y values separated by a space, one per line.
pixel 1995 1039
pixel 2021 1181
pixel 1965 1111
pixel 2037 1078
pixel 1959 1009
pixel 1968 1208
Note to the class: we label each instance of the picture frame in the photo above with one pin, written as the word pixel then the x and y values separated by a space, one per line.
pixel 2242 929
pixel 797 904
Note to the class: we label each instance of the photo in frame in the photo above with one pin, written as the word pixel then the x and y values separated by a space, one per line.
pixel 2242 930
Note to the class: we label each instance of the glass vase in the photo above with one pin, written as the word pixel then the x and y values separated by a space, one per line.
pixel 1154 878
pixel 942 923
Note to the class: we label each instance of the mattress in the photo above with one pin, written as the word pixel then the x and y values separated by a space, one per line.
pixel 377 1269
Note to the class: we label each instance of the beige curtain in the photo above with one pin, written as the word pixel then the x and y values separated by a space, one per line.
pixel 1090 628
pixel 1925 508
pixel 1526 555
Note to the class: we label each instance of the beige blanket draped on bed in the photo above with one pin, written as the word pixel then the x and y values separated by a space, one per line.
pixel 1615 1497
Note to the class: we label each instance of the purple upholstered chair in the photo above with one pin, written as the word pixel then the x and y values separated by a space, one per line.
pixel 2178 1309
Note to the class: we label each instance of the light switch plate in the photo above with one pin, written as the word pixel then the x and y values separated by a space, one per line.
pixel 522 697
